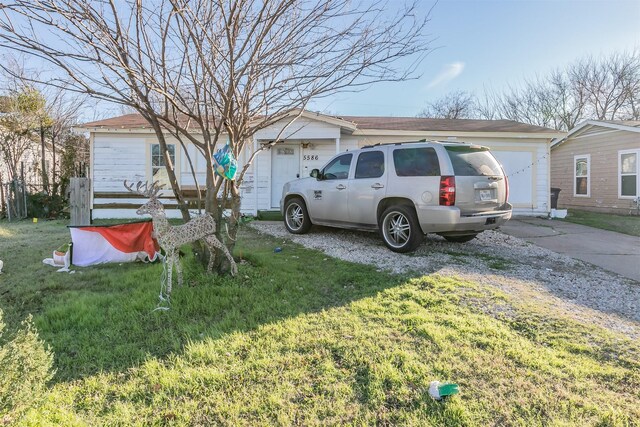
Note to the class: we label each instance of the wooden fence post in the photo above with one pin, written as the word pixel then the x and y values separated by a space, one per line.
pixel 80 201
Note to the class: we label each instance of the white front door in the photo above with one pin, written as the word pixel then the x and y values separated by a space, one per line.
pixel 285 167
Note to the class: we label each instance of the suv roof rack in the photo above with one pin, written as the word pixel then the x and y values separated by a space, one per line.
pixel 420 141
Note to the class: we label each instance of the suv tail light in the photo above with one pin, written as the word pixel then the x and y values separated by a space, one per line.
pixel 447 190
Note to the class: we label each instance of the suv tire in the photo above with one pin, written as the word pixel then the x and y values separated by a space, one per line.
pixel 400 229
pixel 296 217
pixel 460 239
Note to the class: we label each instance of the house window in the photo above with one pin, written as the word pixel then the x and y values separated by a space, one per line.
pixel 158 169
pixel 628 168
pixel 582 185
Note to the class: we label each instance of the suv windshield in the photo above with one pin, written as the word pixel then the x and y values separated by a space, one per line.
pixel 473 161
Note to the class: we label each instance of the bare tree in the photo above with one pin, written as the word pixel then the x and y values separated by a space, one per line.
pixel 455 105
pixel 57 111
pixel 606 88
pixel 63 109
pixel 19 127
pixel 211 71
pixel 611 85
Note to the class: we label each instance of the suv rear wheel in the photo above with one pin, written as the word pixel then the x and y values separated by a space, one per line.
pixel 296 217
pixel 400 229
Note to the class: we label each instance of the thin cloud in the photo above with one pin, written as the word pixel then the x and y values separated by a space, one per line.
pixel 448 73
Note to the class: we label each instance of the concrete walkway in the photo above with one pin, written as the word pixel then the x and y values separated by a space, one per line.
pixel 612 251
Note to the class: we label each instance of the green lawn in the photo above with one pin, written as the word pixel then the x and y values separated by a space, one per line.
pixel 302 339
pixel 627 224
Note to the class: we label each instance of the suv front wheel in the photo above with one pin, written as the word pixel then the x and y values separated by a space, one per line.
pixel 400 229
pixel 296 217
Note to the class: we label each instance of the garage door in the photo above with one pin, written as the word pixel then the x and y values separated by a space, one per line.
pixel 517 166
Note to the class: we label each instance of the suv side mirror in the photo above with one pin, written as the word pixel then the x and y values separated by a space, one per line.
pixel 315 173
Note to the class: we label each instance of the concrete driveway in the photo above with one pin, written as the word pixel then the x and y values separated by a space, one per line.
pixel 616 252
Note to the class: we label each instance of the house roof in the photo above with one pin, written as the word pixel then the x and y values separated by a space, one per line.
pixel 136 121
pixel 128 121
pixel 632 123
pixel 625 125
pixel 437 125
pixel 364 123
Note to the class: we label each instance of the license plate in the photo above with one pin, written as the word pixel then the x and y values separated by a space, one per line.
pixel 485 195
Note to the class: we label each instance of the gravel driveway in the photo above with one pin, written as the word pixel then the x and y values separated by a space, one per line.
pixel 572 287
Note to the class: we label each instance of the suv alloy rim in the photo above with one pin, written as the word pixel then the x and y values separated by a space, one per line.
pixel 397 229
pixel 295 216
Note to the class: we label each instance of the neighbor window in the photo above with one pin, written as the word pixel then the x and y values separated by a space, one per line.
pixel 628 171
pixel 581 175
pixel 158 169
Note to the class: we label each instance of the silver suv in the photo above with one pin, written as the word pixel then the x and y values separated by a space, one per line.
pixel 404 191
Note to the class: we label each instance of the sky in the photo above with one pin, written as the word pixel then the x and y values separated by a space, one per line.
pixel 496 43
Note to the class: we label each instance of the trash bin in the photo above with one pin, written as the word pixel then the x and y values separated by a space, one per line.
pixel 555 193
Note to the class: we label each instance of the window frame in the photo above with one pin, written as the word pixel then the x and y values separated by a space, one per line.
pixel 587 157
pixel 324 168
pixel 431 152
pixel 637 173
pixel 365 153
pixel 176 164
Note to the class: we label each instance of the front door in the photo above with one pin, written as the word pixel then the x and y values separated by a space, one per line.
pixel 285 167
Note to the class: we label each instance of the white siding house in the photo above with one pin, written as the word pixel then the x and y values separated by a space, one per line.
pixel 123 148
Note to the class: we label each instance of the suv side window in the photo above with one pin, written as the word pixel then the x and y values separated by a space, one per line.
pixel 416 162
pixel 370 164
pixel 338 168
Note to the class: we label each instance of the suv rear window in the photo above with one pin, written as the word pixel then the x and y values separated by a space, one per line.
pixel 416 162
pixel 473 161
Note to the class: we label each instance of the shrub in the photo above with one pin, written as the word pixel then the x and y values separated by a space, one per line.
pixel 43 205
pixel 25 369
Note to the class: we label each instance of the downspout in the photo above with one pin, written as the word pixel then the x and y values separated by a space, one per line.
pixel 549 177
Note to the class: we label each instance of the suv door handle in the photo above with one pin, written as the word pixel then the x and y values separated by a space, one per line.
pixel 377 186
pixel 341 187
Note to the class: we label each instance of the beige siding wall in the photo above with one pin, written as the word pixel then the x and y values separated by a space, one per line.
pixel 603 148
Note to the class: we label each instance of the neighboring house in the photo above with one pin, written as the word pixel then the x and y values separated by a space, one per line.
pixel 126 148
pixel 29 163
pixel 597 166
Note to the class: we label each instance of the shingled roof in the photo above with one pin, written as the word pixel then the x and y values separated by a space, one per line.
pixel 128 121
pixel 136 121
pixel 435 125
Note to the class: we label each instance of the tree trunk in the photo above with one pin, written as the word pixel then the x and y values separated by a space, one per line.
pixel 53 165
pixel 45 178
pixel 2 209
pixel 170 167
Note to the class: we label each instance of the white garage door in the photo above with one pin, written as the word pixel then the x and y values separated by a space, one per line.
pixel 517 166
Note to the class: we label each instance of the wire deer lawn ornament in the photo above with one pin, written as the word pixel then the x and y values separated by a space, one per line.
pixel 171 237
